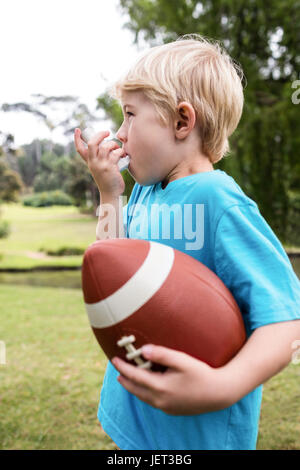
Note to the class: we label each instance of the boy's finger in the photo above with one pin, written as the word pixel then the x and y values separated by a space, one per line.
pixel 98 138
pixel 115 155
pixel 79 145
pixel 165 356
pixel 143 393
pixel 94 143
pixel 133 373
pixel 107 147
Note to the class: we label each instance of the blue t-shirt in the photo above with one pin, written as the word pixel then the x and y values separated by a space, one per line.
pixel 207 216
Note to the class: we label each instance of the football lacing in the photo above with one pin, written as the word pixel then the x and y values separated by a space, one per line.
pixel 133 354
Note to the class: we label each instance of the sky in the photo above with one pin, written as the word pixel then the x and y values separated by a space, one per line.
pixel 59 47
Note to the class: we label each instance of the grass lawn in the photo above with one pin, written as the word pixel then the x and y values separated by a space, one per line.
pixel 280 413
pixel 54 368
pixel 50 385
pixel 33 229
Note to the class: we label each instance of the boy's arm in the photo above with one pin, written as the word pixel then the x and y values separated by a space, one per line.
pixel 110 221
pixel 267 352
pixel 191 387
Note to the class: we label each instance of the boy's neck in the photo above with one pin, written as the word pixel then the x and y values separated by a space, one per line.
pixel 187 170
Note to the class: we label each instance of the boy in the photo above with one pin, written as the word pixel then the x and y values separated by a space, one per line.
pixel 181 102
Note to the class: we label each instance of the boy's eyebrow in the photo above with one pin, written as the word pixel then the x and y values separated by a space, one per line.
pixel 127 104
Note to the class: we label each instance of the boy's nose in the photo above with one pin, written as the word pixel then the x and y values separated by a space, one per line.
pixel 121 135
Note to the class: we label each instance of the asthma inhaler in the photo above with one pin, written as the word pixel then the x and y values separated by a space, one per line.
pixel 88 133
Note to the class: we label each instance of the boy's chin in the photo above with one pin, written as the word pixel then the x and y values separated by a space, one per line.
pixel 142 181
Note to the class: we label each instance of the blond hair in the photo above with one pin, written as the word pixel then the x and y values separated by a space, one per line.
pixel 196 70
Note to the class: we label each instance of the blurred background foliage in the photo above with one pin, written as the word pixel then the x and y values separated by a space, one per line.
pixel 263 37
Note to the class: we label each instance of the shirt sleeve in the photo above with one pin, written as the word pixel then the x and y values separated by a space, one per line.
pixel 252 263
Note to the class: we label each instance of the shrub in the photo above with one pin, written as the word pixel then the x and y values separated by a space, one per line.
pixel 64 251
pixel 4 229
pixel 48 198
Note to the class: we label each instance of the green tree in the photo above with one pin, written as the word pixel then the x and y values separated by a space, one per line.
pixel 30 156
pixel 10 183
pixel 80 184
pixel 261 37
pixel 52 173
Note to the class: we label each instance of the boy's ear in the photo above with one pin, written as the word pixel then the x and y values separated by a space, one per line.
pixel 185 120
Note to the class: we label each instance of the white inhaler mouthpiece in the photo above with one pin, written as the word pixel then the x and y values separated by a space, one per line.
pixel 88 133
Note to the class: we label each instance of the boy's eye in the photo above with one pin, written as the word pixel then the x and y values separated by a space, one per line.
pixel 129 113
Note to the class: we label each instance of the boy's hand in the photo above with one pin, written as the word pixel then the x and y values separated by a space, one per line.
pixel 102 161
pixel 188 387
